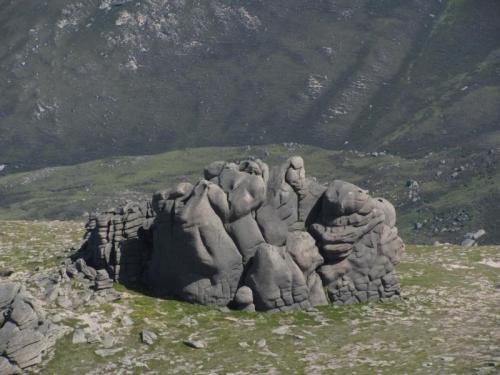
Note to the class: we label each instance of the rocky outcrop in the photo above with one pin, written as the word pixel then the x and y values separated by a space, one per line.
pixel 118 241
pixel 250 237
pixel 25 333
pixel 358 238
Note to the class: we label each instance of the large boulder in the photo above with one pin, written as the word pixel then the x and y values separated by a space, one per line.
pixel 194 258
pixel 119 240
pixel 276 281
pixel 251 237
pixel 360 244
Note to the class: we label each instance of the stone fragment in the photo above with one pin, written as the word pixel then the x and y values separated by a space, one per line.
pixel 7 332
pixel 108 341
pixel 107 352
pixel 261 343
pixel 195 344
pixel 244 299
pixel 126 321
pixel 22 314
pixel 148 337
pixel 25 348
pixel 8 291
pixel 79 336
pixel 93 338
pixel 8 368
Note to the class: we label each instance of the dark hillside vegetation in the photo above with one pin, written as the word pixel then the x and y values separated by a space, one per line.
pixel 92 79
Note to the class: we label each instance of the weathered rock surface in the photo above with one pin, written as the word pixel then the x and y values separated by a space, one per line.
pixel 117 241
pixel 471 239
pixel 25 333
pixel 251 237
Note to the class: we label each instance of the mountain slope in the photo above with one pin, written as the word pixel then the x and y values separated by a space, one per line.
pixel 91 79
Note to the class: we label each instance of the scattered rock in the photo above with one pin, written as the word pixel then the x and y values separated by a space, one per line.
pixel 107 352
pixel 25 333
pixel 108 340
pixel 126 321
pixel 244 299
pixel 102 280
pixel 490 262
pixel 148 337
pixel 79 337
pixel 93 338
pixel 188 321
pixel 261 343
pixel 469 242
pixel 283 330
pixel 196 344
pixel 471 239
pixel 446 358
pixel 64 302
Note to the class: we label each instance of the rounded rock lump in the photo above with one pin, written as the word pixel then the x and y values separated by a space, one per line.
pixel 252 237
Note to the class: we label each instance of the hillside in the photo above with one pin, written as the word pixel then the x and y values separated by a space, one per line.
pixel 444 194
pixel 92 79
pixel 447 322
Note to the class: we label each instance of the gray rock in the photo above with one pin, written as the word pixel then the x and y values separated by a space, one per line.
pixel 64 302
pixel 261 343
pixel 148 337
pixel 470 239
pixel 93 338
pixel 79 337
pixel 8 291
pixel 25 333
pixel 244 296
pixel 194 258
pixel 250 237
pixel 188 321
pixel 22 314
pixel 7 332
pixel 468 242
pixel 126 321
pixel 103 284
pixel 89 272
pixel 195 344
pixel 276 281
pixel 107 352
pixel 25 348
pixel 7 368
pixel 108 340
pixel 282 330
pixel 52 292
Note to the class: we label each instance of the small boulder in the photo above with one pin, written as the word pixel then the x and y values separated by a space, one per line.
pixel 148 337
pixel 244 299
pixel 79 336
pixel 195 344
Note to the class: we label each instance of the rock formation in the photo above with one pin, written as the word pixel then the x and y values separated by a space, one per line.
pixel 25 333
pixel 253 238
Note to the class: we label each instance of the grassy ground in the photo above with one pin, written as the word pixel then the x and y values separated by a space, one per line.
pixel 68 192
pixel 447 323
